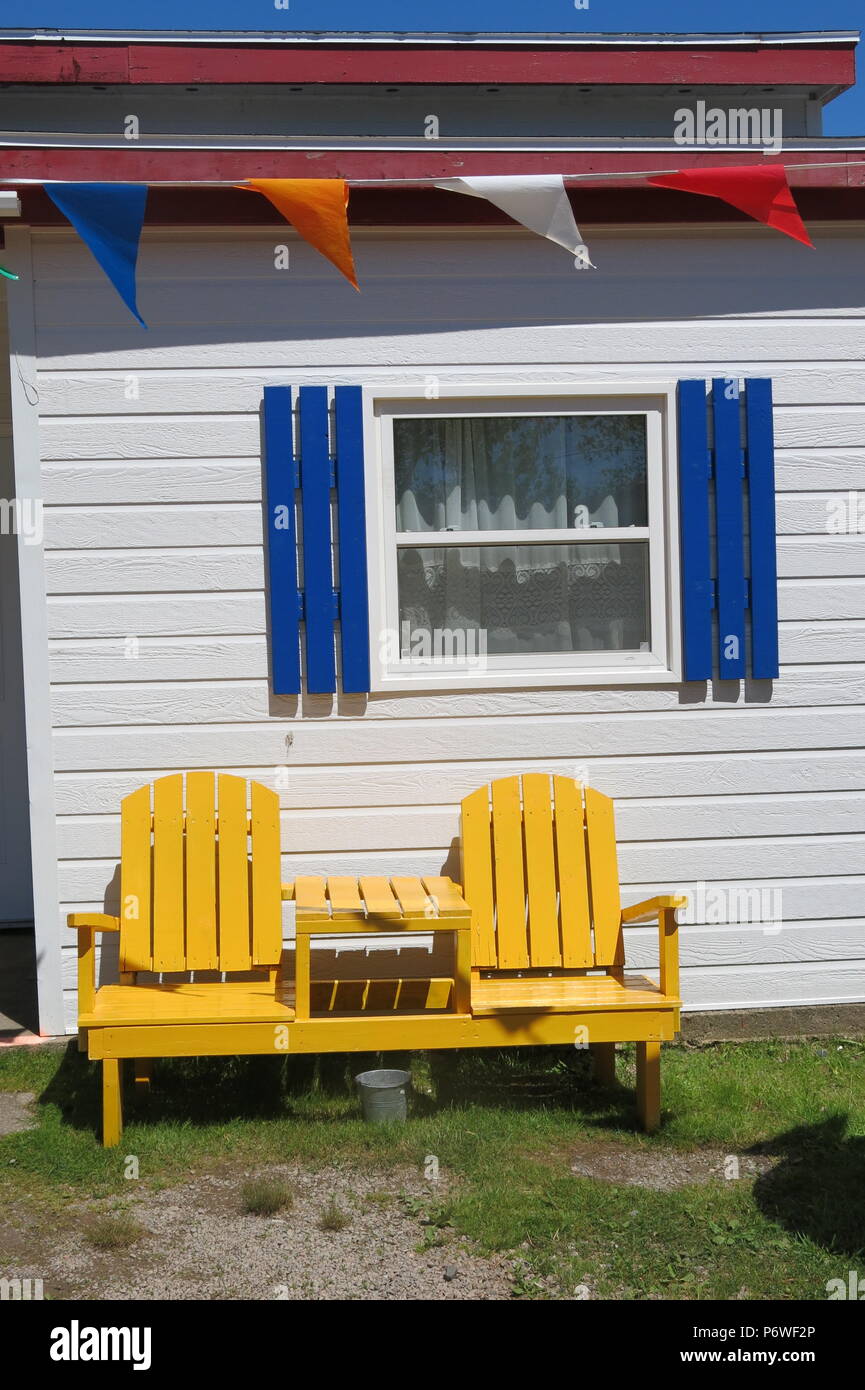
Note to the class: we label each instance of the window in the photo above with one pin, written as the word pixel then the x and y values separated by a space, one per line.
pixel 522 539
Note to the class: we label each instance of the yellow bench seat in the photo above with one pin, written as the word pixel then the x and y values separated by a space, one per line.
pixel 229 1002
pixel 562 995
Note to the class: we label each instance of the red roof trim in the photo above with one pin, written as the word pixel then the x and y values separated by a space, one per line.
pixel 174 63
pixel 847 166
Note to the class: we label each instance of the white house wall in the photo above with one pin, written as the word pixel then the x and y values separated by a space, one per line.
pixel 154 531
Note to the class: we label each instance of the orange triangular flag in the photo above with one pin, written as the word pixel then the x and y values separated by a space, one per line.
pixel 317 209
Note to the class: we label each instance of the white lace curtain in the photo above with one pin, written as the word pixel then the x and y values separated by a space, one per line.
pixel 520 473
pixel 524 473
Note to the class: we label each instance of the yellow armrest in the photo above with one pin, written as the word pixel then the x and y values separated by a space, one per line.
pixel 87 924
pixel 663 911
pixel 639 914
pixel 92 921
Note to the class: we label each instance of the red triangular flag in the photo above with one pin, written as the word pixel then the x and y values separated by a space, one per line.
pixel 760 190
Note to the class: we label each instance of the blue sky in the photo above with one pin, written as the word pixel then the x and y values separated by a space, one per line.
pixel 845 116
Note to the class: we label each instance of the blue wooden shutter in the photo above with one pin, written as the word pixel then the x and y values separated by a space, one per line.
pixel 714 606
pixel 729 532
pixel 280 481
pixel 351 514
pixel 319 597
pixel 764 565
pixel 695 467
pixel 318 601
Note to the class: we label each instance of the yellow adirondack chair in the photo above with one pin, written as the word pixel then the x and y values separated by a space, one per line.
pixel 200 892
pixel 540 874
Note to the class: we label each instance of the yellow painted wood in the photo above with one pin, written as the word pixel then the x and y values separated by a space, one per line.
pixel 143 1073
pixel 604 1061
pixel 220 1002
pixel 554 837
pixel 502 994
pixel 385 1033
pixel 570 839
pixel 99 921
pixel 202 952
pixel 112 1103
pixel 169 942
pixel 477 874
pixel 510 888
pixel 669 952
pixel 310 896
pixel 302 975
pixel 413 898
pixel 603 878
pixel 136 945
pixel 310 924
pixel 438 992
pixel 449 901
pixel 463 967
pixel 663 910
pixel 344 897
pixel 86 969
pixel 233 875
pixel 649 1084
pixel 381 996
pixel 287 892
pixel 266 895
pixel 378 897
pixel 647 911
pixel 544 947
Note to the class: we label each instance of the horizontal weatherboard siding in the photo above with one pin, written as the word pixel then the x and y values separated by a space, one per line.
pixel 151 449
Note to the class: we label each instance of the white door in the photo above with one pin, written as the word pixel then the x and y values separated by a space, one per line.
pixel 16 894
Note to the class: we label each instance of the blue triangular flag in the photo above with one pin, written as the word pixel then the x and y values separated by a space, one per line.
pixel 108 218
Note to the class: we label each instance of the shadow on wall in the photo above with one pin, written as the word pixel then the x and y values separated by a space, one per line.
pixel 428 286
pixel 19 1010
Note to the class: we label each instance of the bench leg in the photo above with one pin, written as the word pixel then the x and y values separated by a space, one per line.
pixel 604 1062
pixel 649 1085
pixel 112 1103
pixel 143 1072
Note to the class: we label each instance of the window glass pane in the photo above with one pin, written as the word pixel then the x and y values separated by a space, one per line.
pixel 524 598
pixel 523 472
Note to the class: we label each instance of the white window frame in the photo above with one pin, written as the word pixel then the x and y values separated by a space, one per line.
pixel 661 665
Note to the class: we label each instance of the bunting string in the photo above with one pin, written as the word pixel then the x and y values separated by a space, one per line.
pixel 109 216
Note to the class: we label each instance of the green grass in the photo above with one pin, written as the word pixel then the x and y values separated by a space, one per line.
pixel 266 1196
pixel 333 1218
pixel 503 1126
pixel 113 1231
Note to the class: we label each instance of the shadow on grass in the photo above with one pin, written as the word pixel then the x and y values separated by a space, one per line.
pixel 527 1078
pixel 818 1188
pixel 215 1090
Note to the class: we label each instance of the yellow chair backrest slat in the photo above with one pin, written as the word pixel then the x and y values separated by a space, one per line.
pixel 604 878
pixel 540 872
pixel 202 936
pixel 200 876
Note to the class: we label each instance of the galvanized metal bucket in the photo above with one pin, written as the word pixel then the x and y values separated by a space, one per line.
pixel 383 1095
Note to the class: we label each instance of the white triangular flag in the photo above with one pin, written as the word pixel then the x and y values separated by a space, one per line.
pixel 539 201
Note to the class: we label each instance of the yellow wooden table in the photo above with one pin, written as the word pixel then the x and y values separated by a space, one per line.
pixel 383 907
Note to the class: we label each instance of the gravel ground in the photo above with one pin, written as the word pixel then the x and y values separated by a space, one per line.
pixel 664 1169
pixel 15 1111
pixel 200 1244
